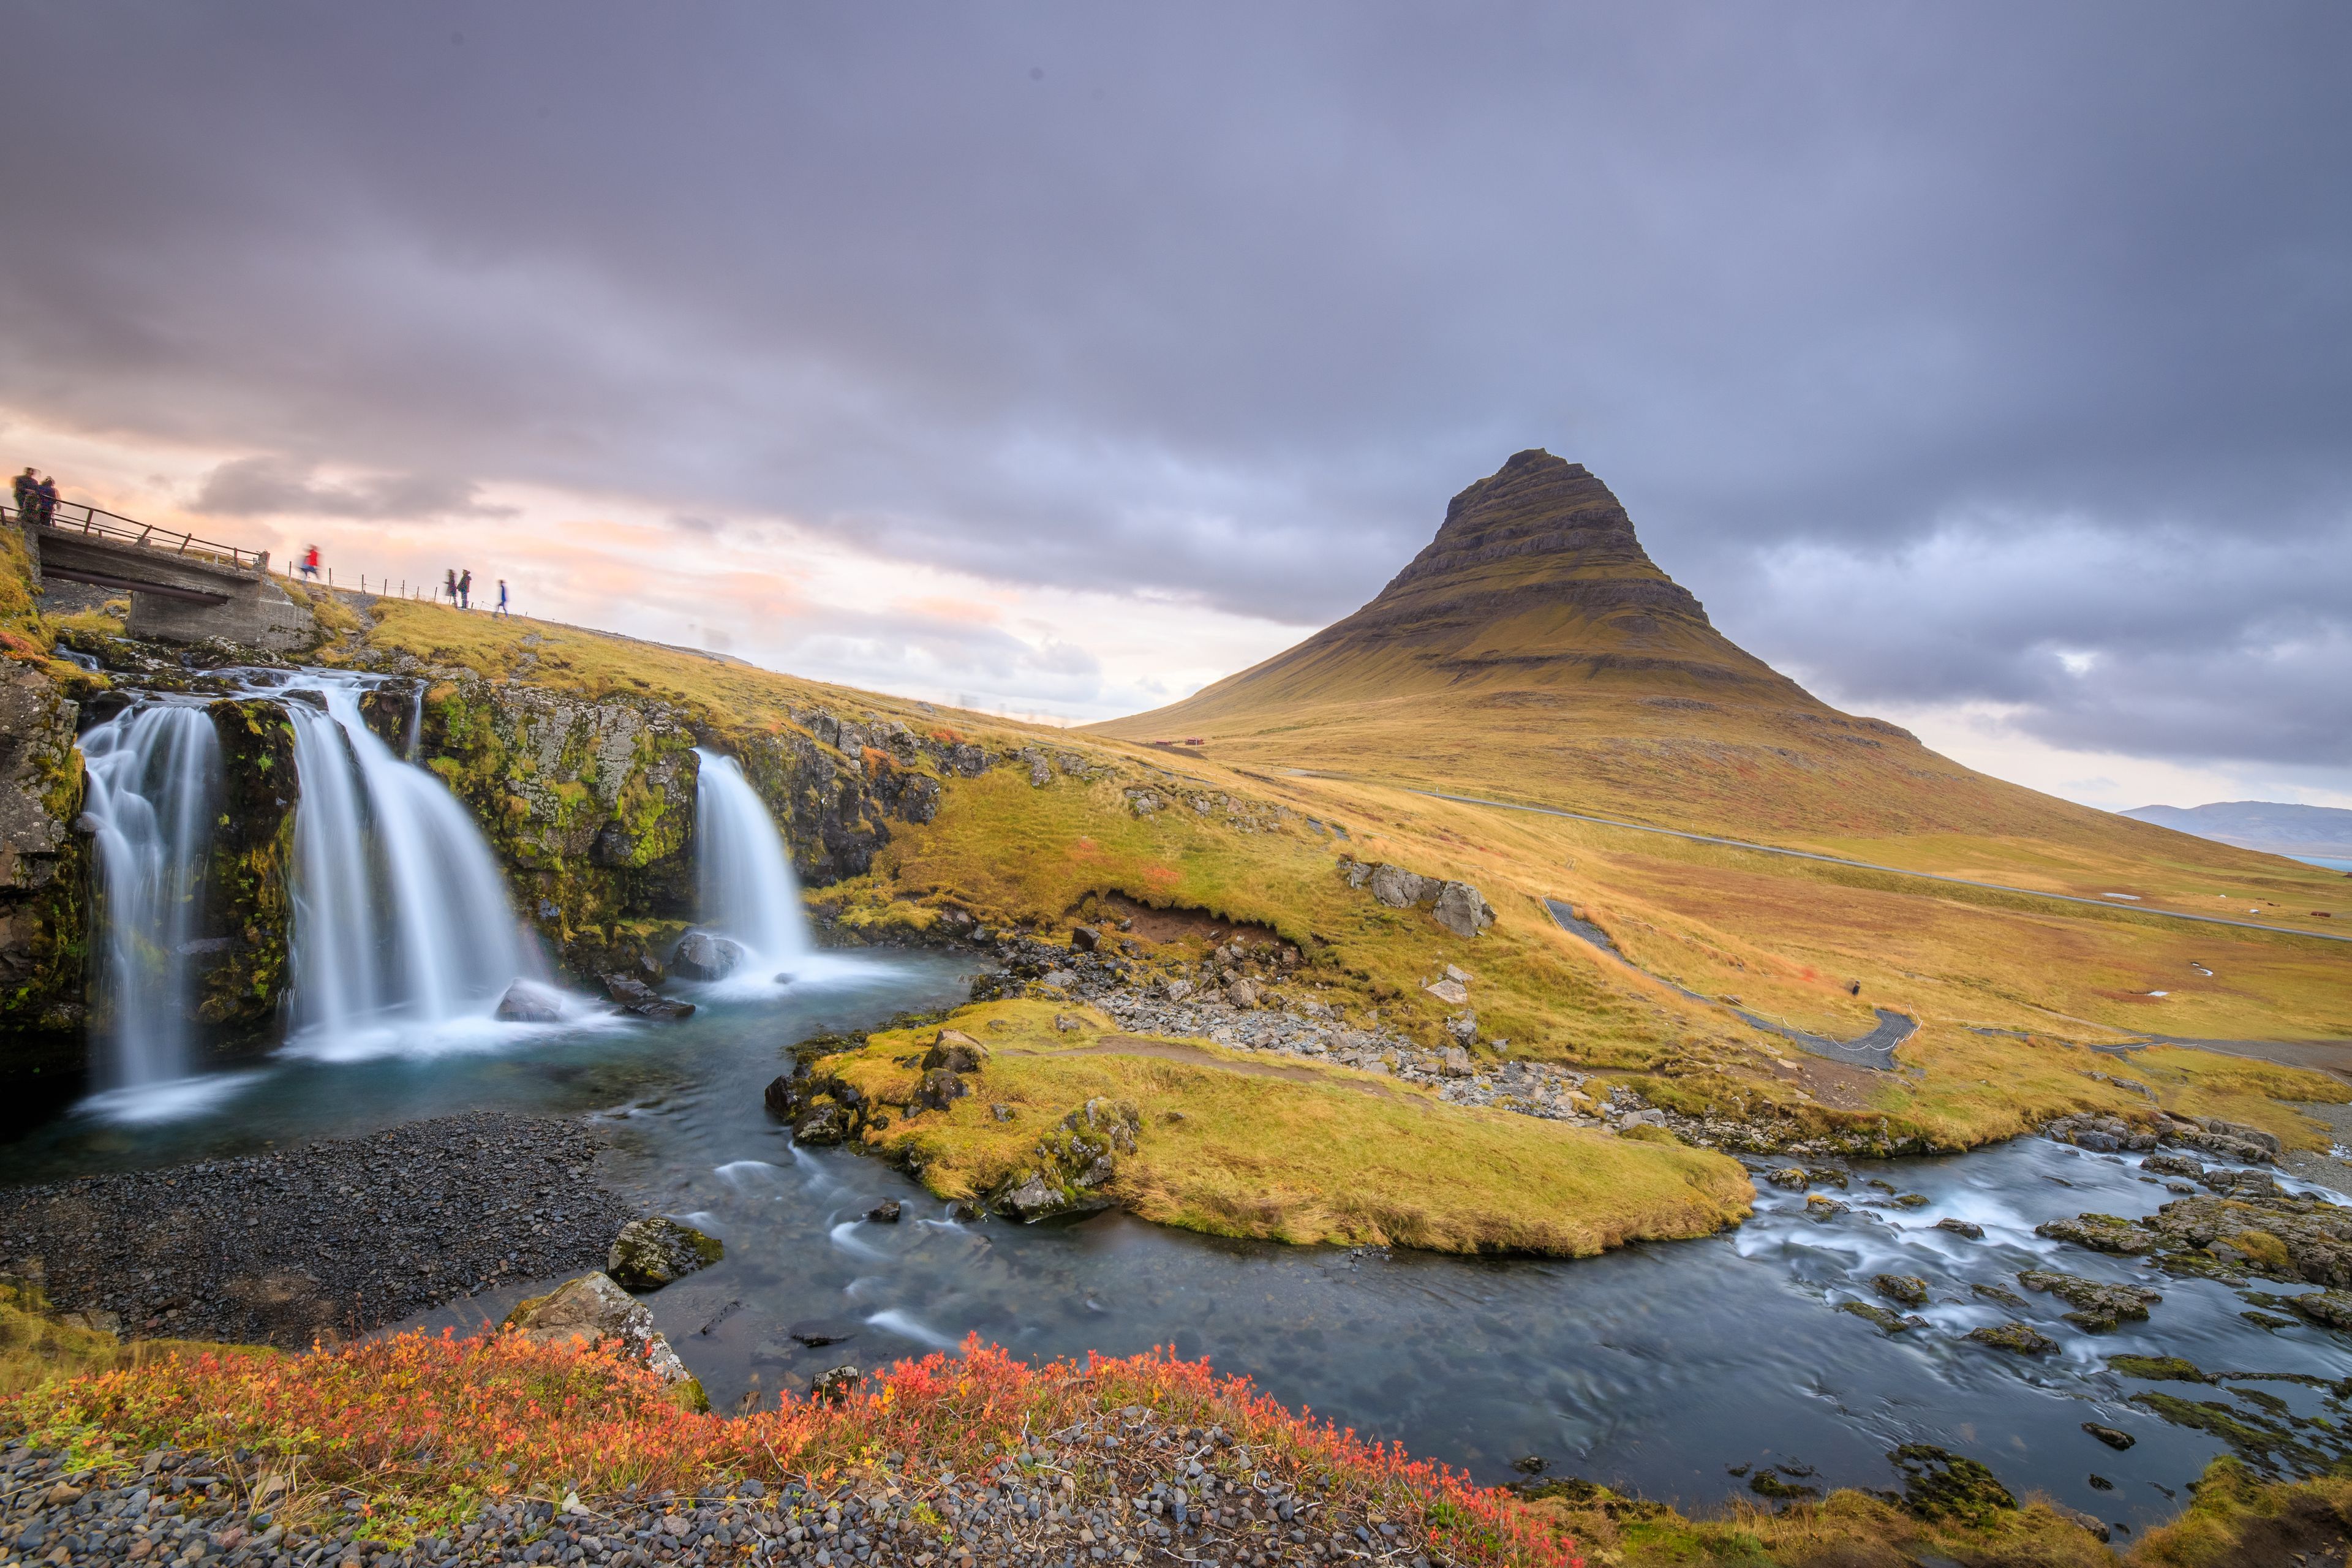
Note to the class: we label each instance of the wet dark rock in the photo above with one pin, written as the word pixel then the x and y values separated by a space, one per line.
pixel 1792 1178
pixel 2109 1436
pixel 329 1238
pixel 655 1251
pixel 940 1088
pixel 2098 1306
pixel 1893 1322
pixel 2099 1132
pixel 634 995
pixel 1907 1289
pixel 1968 1229
pixel 2020 1338
pixel 2331 1308
pixel 528 1001
pixel 818 1332
pixel 1941 1485
pixel 2157 1368
pixel 885 1212
pixel 2101 1233
pixel 705 955
pixel 2007 1297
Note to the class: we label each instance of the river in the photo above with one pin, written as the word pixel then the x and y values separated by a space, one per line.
pixel 1659 1369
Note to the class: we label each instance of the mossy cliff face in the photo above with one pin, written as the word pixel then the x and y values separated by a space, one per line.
pixel 589 805
pixel 245 965
pixel 42 897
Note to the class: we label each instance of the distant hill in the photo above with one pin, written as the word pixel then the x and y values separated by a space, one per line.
pixel 2268 825
pixel 1534 650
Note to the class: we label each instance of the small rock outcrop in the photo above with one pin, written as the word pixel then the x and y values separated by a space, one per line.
pixel 656 1251
pixel 594 1309
pixel 1073 1164
pixel 1457 906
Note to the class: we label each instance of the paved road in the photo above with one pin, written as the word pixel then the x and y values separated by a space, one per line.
pixel 1896 870
pixel 1874 1049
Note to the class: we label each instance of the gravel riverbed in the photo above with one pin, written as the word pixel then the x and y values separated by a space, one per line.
pixel 327 1239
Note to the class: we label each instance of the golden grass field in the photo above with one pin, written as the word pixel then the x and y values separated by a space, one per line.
pixel 1787 937
pixel 1235 1145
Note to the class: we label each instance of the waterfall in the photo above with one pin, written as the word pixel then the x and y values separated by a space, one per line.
pixel 401 918
pixel 154 776
pixel 744 881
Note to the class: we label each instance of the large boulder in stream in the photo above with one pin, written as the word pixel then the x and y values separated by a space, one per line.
pixel 705 955
pixel 634 995
pixel 651 1253
pixel 529 1002
pixel 592 1308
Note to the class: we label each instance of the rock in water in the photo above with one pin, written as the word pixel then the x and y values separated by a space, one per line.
pixel 1907 1289
pixel 2020 1338
pixel 2098 1306
pixel 701 955
pixel 528 1001
pixel 818 1332
pixel 634 995
pixel 595 1309
pixel 653 1252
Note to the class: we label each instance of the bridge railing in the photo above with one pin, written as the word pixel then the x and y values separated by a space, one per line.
pixel 80 517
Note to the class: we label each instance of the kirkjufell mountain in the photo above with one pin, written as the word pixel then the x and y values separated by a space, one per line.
pixel 1534 650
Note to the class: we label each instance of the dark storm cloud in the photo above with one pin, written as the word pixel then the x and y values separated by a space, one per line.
pixel 1224 302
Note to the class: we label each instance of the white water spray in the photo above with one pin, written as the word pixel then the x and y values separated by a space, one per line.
pixel 401 918
pixel 745 884
pixel 154 777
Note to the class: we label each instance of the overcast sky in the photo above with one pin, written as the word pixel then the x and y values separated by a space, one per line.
pixel 1984 366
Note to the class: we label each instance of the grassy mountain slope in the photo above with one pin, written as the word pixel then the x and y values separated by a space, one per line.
pixel 1534 652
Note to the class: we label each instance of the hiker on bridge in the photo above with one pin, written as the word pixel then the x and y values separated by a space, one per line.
pixel 501 610
pixel 48 503
pixel 465 590
pixel 449 586
pixel 310 563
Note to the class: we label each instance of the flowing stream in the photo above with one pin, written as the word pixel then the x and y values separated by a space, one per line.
pixel 154 776
pixel 1678 1369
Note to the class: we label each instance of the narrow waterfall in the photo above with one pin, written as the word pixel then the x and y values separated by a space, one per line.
pixel 154 778
pixel 744 882
pixel 401 917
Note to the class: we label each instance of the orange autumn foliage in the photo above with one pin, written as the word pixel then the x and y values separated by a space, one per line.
pixel 413 1413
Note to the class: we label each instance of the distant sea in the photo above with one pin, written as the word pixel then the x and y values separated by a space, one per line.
pixel 2333 863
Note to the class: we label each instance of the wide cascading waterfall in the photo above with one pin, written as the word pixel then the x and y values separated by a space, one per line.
pixel 744 879
pixel 402 925
pixel 154 776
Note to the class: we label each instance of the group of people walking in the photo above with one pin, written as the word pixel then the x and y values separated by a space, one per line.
pixel 459 586
pixel 36 497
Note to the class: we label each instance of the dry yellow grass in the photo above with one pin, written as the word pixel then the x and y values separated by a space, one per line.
pixel 1788 938
pixel 1232 1144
